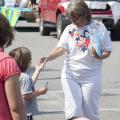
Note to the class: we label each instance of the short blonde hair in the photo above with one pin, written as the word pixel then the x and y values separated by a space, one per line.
pixel 80 8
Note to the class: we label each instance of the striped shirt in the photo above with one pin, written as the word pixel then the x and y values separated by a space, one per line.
pixel 8 68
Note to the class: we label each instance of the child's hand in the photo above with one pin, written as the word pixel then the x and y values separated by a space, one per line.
pixel 43 90
pixel 40 66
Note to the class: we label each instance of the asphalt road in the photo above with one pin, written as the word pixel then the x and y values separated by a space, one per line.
pixel 51 105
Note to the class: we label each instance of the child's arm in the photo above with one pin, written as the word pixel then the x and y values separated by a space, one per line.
pixel 30 96
pixel 39 67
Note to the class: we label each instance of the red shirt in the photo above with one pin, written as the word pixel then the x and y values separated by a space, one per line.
pixel 8 67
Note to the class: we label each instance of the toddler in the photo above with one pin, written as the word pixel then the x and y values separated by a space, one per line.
pixel 22 55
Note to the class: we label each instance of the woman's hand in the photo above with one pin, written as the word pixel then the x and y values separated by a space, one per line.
pixel 43 59
pixel 104 55
pixel 94 54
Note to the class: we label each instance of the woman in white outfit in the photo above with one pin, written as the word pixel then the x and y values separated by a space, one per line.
pixel 81 73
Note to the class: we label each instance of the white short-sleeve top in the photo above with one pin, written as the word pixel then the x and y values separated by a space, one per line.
pixel 77 43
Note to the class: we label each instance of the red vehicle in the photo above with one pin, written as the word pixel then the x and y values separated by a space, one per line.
pixel 52 13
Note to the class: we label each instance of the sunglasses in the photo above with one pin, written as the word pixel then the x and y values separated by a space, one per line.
pixel 74 18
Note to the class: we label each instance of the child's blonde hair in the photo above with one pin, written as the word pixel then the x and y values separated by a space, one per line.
pixel 22 55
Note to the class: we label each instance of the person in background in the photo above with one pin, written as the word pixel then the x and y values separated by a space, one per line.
pixel 11 104
pixel 82 71
pixel 22 55
pixel 33 4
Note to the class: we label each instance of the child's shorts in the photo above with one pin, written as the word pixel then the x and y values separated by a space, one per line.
pixel 29 116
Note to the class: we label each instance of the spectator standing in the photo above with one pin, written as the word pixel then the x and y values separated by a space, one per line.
pixel 11 105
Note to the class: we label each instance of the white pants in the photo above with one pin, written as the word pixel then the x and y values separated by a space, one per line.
pixel 81 96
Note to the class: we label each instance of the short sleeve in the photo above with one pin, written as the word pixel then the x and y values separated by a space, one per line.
pixel 63 42
pixel 8 68
pixel 26 84
pixel 105 39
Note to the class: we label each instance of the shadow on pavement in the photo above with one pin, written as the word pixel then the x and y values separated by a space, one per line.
pixel 27 29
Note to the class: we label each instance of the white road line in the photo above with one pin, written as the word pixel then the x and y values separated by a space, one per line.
pixel 101 109
pixel 103 90
pixel 109 89
pixel 109 109
pixel 53 110
pixel 56 91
